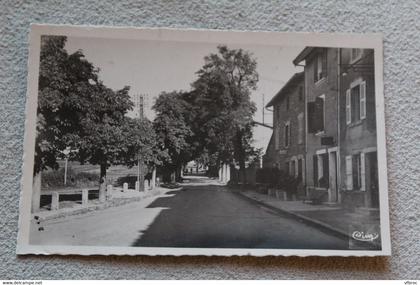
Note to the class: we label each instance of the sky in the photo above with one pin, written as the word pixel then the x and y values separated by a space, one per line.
pixel 151 67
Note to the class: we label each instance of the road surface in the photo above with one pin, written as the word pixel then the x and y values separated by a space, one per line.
pixel 202 214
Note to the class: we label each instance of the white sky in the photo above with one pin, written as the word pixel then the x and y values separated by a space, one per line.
pixel 150 67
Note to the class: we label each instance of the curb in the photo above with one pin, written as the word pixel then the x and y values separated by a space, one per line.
pixel 324 226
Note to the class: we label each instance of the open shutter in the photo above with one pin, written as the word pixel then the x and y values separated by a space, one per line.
pixel 319 114
pixel 349 173
pixel 311 117
pixel 362 172
pixel 348 107
pixel 363 100
pixel 324 63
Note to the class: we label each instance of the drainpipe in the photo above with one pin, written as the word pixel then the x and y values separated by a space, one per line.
pixel 338 166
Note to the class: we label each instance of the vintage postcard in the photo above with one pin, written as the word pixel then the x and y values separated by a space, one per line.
pixel 203 142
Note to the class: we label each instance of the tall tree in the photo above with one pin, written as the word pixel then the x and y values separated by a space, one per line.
pixel 223 90
pixel 65 85
pixel 172 126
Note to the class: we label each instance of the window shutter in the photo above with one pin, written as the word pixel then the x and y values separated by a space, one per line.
pixel 311 117
pixel 349 173
pixel 363 100
pixel 319 114
pixel 276 137
pixel 324 63
pixel 362 172
pixel 348 107
pixel 300 128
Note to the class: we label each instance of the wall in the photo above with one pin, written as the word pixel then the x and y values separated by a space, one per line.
pixel 397 20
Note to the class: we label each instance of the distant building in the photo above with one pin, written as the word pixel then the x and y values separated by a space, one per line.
pixel 286 149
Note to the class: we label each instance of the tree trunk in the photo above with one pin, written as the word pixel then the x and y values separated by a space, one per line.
pixel 102 177
pixel 102 183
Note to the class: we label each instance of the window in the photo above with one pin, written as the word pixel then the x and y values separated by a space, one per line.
pixel 287 168
pixel 287 103
pixel 300 128
pixel 323 170
pixel 287 134
pixel 320 65
pixel 355 54
pixel 300 95
pixel 356 102
pixel 355 172
pixel 316 115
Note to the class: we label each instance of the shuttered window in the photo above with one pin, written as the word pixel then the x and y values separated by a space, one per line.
pixel 300 128
pixel 348 107
pixel 356 103
pixel 320 65
pixel 363 100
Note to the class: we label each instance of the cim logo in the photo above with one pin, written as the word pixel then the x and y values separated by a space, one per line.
pixel 362 236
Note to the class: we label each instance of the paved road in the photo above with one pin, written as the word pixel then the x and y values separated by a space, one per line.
pixel 205 215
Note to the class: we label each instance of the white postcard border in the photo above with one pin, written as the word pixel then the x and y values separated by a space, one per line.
pixel 372 41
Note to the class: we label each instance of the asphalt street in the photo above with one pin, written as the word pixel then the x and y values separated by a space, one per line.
pixel 206 215
pixel 202 214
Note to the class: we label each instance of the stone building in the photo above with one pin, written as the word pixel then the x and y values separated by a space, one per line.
pixel 286 149
pixel 358 141
pixel 322 152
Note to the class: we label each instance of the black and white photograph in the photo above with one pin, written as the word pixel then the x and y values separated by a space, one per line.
pixel 202 142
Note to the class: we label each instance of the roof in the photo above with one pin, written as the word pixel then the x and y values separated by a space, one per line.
pixel 293 82
pixel 302 55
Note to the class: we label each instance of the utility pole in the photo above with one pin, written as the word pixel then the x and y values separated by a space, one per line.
pixel 263 108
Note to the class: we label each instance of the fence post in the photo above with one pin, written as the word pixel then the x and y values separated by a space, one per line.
pixel 85 197
pixel 137 186
pixel 146 185
pixel 55 200
pixel 102 195
pixel 125 186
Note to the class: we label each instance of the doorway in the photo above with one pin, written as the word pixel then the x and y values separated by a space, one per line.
pixel 333 187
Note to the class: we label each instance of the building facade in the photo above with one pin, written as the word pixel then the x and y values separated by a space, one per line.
pixel 322 151
pixel 287 145
pixel 324 127
pixel 358 140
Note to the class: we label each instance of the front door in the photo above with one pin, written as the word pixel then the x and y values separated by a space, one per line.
pixel 332 191
pixel 373 179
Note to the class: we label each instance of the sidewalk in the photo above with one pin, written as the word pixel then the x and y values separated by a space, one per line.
pixel 119 198
pixel 333 218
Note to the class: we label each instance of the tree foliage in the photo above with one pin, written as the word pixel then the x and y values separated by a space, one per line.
pixel 223 89
pixel 173 128
pixel 212 123
pixel 78 111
